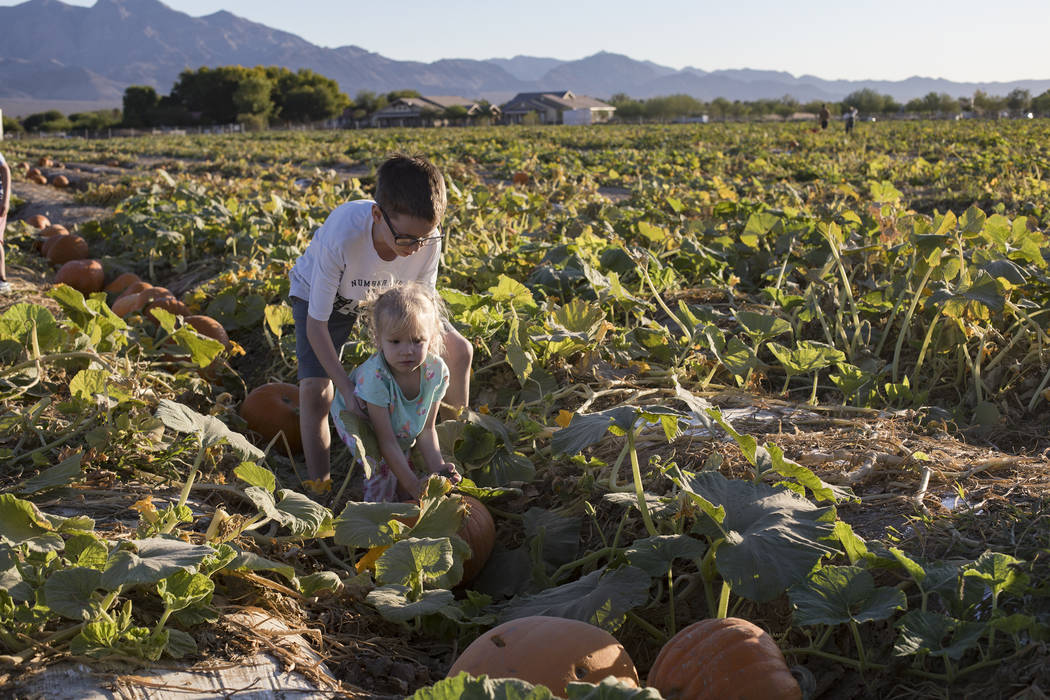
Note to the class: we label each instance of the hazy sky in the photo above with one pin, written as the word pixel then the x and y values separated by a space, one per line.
pixel 961 40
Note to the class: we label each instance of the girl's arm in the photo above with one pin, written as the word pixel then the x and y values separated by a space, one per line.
pixel 379 416
pixel 431 450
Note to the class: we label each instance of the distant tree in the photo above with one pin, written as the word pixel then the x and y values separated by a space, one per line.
pixel 1019 101
pixel 989 105
pixel 627 108
pixel 140 105
pixel 398 94
pixel 720 107
pixel 12 125
pixel 1040 104
pixel 456 114
pixel 252 100
pixel 97 120
pixel 50 121
pixel 867 101
pixel 306 96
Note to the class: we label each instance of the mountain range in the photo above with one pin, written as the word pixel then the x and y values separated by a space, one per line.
pixel 51 52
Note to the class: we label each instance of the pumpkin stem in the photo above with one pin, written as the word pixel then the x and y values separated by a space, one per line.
pixel 639 491
pixel 723 601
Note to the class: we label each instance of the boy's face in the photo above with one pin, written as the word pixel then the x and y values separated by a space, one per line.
pixel 400 235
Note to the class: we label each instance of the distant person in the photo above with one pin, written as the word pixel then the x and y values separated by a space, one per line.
pixel 5 205
pixel 851 119
pixel 365 246
pixel 825 115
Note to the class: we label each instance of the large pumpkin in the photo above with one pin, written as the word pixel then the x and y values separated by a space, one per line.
pixel 62 249
pixel 128 304
pixel 38 221
pixel 549 651
pixel 479 532
pixel 85 276
pixel 723 659
pixel 273 408
pixel 209 327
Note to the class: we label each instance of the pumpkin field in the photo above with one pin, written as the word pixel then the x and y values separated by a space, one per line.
pixel 755 412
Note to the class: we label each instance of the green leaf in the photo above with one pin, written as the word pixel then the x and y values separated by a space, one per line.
pixel 511 291
pixel 208 429
pixel 655 555
pixel 588 429
pixel 203 350
pixel 855 546
pixel 21 520
pixel 392 602
pixel 313 584
pixel 180 644
pixel 923 632
pixel 87 383
pixel 365 525
pixel 807 356
pixel 61 474
pixel 609 688
pixel 415 560
pixel 465 687
pixel 999 572
pixel 804 475
pixel 304 516
pixel 253 562
pixel 256 475
pixel 183 589
pixel 601 598
pixel 835 595
pixel 277 316
pixel 149 560
pixel 773 538
pixel 762 327
pixel 69 592
pixel 19 322
pixel 655 234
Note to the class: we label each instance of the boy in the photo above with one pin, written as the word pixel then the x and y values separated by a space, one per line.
pixel 365 245
pixel 5 204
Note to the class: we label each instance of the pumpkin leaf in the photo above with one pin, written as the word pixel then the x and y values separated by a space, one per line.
pixel 998 571
pixel 304 516
pixel 365 525
pixel 463 686
pixel 588 429
pixel 393 602
pixel 209 430
pixel 772 537
pixel 21 520
pixel 203 350
pixel 68 592
pixel 59 475
pixel 183 589
pixel 150 560
pixel 609 688
pixel 313 584
pixel 923 632
pixel 253 562
pixel 415 562
pixel 256 475
pixel 654 555
pixel 835 595
pixel 87 383
pixel 559 534
pixel 601 598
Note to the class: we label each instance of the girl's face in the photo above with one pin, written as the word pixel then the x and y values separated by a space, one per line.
pixel 405 350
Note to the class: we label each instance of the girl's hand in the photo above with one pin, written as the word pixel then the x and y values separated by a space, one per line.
pixel 448 470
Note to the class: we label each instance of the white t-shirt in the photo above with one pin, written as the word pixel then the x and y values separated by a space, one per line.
pixel 341 265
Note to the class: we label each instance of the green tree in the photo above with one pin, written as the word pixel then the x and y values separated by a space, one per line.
pixel 720 108
pixel 1019 101
pixel 97 120
pixel 867 101
pixel 455 114
pixel 252 100
pixel 140 105
pixel 50 121
pixel 988 105
pixel 12 125
pixel 306 96
pixel 1040 104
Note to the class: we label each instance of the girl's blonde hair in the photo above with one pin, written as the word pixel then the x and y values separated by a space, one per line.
pixel 409 306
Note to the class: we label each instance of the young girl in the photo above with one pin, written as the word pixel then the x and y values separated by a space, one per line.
pixel 399 389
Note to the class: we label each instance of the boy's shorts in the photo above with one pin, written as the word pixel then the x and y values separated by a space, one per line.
pixel 339 327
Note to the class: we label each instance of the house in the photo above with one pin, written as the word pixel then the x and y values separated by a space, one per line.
pixel 561 107
pixel 432 110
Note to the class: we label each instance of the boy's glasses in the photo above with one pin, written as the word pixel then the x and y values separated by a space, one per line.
pixel 405 240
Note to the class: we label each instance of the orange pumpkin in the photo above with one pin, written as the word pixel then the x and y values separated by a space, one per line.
pixel 85 276
pixel 60 181
pixel 33 173
pixel 62 249
pixel 723 658
pixel 152 293
pixel 38 221
pixel 135 288
pixel 209 327
pixel 39 179
pixel 167 302
pixel 128 304
pixel 273 408
pixel 47 233
pixel 521 178
pixel 479 532
pixel 44 162
pixel 549 651
pixel 122 282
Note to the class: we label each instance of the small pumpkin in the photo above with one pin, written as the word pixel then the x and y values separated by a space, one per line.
pixel 122 282
pixel 60 181
pixel 521 178
pixel 210 328
pixel 549 651
pixel 39 179
pixel 167 302
pixel 33 173
pixel 128 304
pixel 44 162
pixel 38 221
pixel 273 408
pixel 85 276
pixel 135 288
pixel 66 248
pixel 723 658
pixel 152 293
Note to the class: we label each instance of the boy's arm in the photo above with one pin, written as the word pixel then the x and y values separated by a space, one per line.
pixel 379 416
pixel 321 342
pixel 5 175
